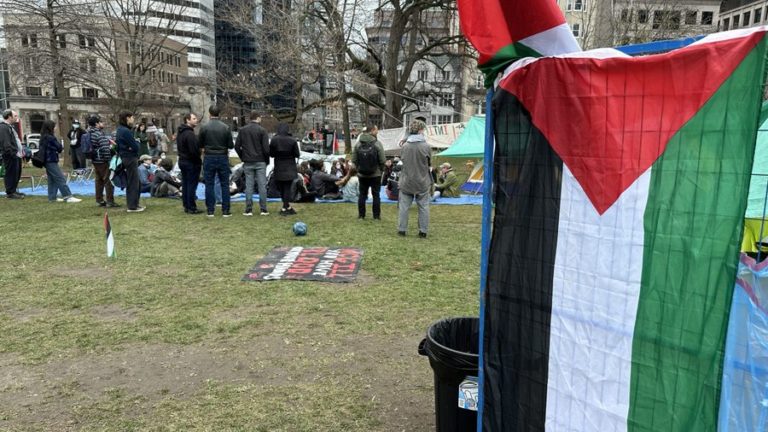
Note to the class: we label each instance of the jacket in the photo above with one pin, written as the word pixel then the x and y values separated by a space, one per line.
pixel 188 147
pixel 8 144
pixel 285 149
pixel 52 147
pixel 163 176
pixel 215 138
pixel 368 138
pixel 126 144
pixel 448 185
pixel 102 148
pixel 252 144
pixel 416 155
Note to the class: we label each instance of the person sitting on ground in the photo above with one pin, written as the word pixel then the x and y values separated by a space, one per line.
pixel 145 174
pixel 165 185
pixel 350 184
pixel 339 168
pixel 392 190
pixel 387 171
pixel 324 184
pixel 447 185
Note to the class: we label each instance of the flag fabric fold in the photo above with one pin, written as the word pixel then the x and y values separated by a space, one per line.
pixel 620 195
pixel 110 237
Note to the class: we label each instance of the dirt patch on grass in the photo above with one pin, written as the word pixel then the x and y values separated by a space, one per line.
pixel 114 313
pixel 48 396
pixel 84 272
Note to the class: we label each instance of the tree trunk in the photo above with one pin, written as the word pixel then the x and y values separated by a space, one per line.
pixel 58 82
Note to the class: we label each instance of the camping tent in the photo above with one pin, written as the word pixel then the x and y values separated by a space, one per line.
pixel 471 142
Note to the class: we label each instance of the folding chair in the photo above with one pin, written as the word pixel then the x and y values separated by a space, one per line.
pixel 80 175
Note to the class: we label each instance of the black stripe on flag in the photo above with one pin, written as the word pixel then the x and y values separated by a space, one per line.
pixel 527 181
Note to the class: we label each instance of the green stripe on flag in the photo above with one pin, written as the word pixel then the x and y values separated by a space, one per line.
pixel 693 224
pixel 504 58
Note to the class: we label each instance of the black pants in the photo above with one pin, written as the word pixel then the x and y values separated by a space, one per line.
pixel 374 184
pixel 12 173
pixel 133 183
pixel 285 188
pixel 77 156
pixel 190 178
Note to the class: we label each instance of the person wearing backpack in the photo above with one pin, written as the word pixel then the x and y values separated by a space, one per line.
pixel 97 146
pixel 368 157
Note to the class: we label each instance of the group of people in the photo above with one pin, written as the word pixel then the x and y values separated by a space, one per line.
pixel 408 179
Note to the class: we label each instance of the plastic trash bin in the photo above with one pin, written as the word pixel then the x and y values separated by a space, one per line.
pixel 452 348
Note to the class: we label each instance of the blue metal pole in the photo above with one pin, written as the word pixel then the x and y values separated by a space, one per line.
pixel 485 244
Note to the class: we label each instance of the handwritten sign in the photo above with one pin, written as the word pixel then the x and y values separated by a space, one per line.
pixel 308 263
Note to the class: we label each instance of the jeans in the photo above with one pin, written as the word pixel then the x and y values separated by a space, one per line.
pixel 259 171
pixel 190 177
pixel 56 181
pixel 133 184
pixel 216 166
pixel 374 184
pixel 102 182
pixel 12 166
pixel 422 201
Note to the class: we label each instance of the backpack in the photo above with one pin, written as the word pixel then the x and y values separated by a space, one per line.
pixel 367 159
pixel 38 159
pixel 85 144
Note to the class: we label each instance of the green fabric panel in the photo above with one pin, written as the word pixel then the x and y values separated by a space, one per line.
pixel 759 183
pixel 504 58
pixel 693 224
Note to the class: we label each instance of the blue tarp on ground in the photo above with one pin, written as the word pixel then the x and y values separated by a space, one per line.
pixel 85 189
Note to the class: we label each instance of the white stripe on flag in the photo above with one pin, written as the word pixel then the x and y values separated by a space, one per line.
pixel 598 270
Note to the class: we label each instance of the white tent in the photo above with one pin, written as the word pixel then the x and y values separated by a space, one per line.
pixel 438 136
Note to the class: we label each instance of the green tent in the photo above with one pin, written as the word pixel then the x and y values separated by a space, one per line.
pixel 759 181
pixel 471 142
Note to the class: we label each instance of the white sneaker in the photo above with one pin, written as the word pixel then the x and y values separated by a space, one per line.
pixel 72 200
pixel 136 210
pixel 59 199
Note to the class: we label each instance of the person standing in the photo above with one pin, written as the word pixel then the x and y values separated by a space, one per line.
pixel 285 149
pixel 190 163
pixel 252 146
pixel 143 138
pixel 415 178
pixel 56 180
pixel 75 151
pixel 100 157
pixel 216 140
pixel 13 152
pixel 128 150
pixel 369 159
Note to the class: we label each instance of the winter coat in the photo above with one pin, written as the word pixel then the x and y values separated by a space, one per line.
pixel 448 185
pixel 416 155
pixel 215 138
pixel 52 147
pixel 188 147
pixel 252 144
pixel 126 144
pixel 285 149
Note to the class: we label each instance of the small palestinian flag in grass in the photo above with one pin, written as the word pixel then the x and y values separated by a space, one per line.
pixel 110 237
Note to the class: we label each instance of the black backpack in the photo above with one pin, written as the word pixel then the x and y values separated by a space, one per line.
pixel 367 159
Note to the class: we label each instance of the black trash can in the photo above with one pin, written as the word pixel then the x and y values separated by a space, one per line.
pixel 452 347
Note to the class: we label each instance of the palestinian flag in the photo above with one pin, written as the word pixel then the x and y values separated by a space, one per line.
pixel 621 187
pixel 110 237
pixel 505 30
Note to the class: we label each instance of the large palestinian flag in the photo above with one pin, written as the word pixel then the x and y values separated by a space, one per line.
pixel 620 190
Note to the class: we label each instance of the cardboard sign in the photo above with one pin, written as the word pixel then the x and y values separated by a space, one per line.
pixel 308 263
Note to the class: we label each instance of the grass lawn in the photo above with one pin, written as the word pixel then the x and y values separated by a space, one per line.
pixel 167 337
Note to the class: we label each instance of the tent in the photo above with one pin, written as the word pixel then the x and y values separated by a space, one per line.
pixel 439 137
pixel 471 142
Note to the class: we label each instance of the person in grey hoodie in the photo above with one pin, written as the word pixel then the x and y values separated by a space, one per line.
pixel 415 178
pixel 252 146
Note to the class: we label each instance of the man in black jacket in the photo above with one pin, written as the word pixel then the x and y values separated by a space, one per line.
pixel 216 140
pixel 190 163
pixel 12 152
pixel 252 146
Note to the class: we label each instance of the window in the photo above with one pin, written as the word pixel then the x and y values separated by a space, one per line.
pixel 62 41
pixel 92 65
pixel 626 15
pixel 736 22
pixel 726 23
pixel 758 16
pixel 86 41
pixel 446 75
pixel 83 64
pixel 445 99
pixel 33 91
pixel 33 40
pixel 90 93
pixel 690 17
pixel 128 68
pixel 422 100
pixel 747 16
pixel 668 20
pixel 442 119
pixel 576 29
pixel 575 5
pixel 642 16
pixel 479 81
pixel 29 40
pixel 706 18
pixel 422 75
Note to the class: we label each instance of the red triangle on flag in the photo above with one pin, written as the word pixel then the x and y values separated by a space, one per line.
pixel 610 119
